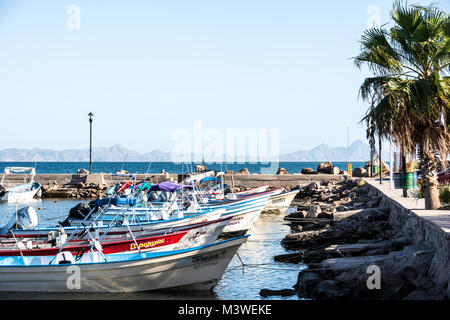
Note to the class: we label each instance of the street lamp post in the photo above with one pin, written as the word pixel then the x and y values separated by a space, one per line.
pixel 90 141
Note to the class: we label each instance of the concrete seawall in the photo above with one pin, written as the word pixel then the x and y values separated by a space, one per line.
pixel 428 227
pixel 238 180
pixel 74 179
pixel 280 181
pixel 91 186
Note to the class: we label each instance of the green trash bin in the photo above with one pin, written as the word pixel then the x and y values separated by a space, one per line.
pixel 375 169
pixel 409 180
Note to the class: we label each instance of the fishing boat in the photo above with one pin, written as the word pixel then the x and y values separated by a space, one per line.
pixel 119 225
pixel 21 193
pixel 243 210
pixel 252 191
pixel 195 235
pixel 279 203
pixel 196 268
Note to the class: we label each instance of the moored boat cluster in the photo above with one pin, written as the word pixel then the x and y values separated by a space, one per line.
pixel 138 237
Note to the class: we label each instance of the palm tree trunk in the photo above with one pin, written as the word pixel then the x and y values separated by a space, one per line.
pixel 430 183
pixel 380 167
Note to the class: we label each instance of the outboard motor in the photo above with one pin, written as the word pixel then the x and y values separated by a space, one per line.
pixel 2 190
pixel 231 196
pixel 26 220
pixel 80 211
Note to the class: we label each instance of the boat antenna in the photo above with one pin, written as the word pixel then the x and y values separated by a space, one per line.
pixel 123 162
pixel 349 165
pixel 148 170
pixel 17 223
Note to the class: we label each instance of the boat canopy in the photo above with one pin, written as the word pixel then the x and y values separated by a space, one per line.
pixel 169 187
pixel 210 179
pixel 116 201
pixel 143 186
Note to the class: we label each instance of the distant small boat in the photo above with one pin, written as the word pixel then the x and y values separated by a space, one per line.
pixel 21 193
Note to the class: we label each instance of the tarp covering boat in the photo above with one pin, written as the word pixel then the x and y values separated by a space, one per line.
pixel 207 179
pixel 169 187
pixel 143 186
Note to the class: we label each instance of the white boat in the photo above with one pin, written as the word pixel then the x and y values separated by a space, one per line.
pixel 113 228
pixel 279 203
pixel 244 217
pixel 198 268
pixel 251 191
pixel 21 193
pixel 244 212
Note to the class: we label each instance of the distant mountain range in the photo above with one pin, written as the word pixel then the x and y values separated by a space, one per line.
pixel 102 154
pixel 359 151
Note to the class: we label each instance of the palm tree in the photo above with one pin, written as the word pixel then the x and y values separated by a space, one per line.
pixel 411 62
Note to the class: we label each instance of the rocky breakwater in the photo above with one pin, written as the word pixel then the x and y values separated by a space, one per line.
pixel 79 190
pixel 79 187
pixel 351 249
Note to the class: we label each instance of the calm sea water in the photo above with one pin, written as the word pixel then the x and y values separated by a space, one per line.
pixel 157 167
pixel 239 282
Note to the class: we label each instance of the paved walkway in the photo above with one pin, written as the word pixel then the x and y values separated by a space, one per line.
pixel 441 218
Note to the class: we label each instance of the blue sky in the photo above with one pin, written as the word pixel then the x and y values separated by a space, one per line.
pixel 147 68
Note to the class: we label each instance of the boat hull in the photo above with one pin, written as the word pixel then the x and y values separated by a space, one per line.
pixel 281 202
pixel 243 220
pixel 252 191
pixel 155 226
pixel 194 236
pixel 196 269
pixel 19 197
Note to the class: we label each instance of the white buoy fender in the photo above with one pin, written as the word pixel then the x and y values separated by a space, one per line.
pixel 27 218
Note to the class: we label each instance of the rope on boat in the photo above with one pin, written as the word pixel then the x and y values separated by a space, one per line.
pixel 20 250
pixel 263 266
pixel 242 262
pixel 259 265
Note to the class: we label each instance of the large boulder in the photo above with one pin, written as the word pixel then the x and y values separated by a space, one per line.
pixel 314 211
pixel 335 170
pixel 328 290
pixel 359 172
pixel 121 172
pixel 282 171
pixel 199 168
pixel 82 171
pixel 243 171
pixel 308 171
pixel 282 293
pixel 325 167
pixel 306 283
